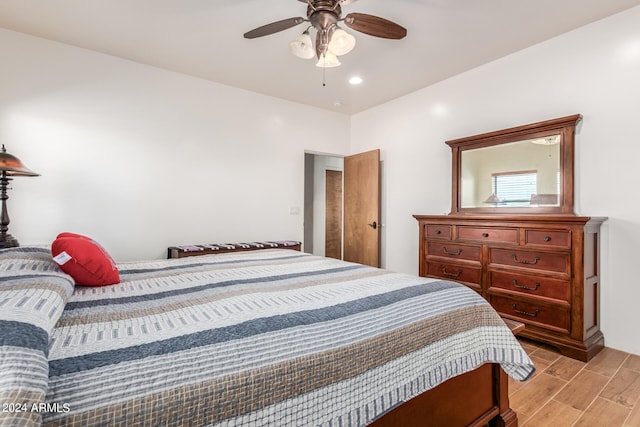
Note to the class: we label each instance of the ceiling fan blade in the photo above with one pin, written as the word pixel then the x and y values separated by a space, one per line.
pixel 274 27
pixel 374 26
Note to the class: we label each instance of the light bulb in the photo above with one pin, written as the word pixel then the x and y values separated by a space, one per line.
pixel 302 46
pixel 341 42
pixel 328 60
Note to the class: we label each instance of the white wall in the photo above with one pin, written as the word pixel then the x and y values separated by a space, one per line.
pixel 593 71
pixel 141 158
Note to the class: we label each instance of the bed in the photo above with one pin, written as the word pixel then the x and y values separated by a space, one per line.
pixel 271 337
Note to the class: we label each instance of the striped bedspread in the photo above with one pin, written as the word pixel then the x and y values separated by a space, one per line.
pixel 269 337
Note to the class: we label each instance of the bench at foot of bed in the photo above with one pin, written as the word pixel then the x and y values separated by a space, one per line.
pixel 218 248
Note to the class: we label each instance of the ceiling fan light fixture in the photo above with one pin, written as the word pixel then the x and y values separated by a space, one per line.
pixel 341 42
pixel 328 60
pixel 331 40
pixel 547 140
pixel 302 46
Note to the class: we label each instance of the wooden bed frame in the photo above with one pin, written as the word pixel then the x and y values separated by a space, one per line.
pixel 477 398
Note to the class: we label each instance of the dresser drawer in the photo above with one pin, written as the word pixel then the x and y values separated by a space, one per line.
pixel 437 231
pixel 455 272
pixel 529 284
pixel 554 238
pixel 547 315
pixel 488 234
pixel 530 259
pixel 451 250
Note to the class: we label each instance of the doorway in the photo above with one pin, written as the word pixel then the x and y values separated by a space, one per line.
pixel 342 207
pixel 322 210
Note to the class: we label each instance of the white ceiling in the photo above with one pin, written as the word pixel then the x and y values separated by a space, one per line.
pixel 203 38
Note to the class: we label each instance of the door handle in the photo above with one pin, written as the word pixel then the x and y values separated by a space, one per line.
pixel 373 225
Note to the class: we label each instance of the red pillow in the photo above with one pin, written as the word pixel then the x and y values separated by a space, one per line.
pixel 85 260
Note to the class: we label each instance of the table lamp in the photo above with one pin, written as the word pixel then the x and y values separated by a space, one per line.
pixel 10 166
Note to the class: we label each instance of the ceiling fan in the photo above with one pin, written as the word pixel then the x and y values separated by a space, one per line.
pixel 331 40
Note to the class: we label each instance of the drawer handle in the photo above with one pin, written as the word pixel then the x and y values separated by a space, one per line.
pixel 525 313
pixel 485 234
pixel 524 261
pixel 438 231
pixel 451 274
pixel 546 238
pixel 515 284
pixel 458 252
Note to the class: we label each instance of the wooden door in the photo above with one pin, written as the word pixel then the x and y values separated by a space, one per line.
pixel 333 216
pixel 362 208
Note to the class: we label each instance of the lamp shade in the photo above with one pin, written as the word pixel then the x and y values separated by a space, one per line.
pixel 328 60
pixel 302 46
pixel 12 166
pixel 341 42
pixel 493 199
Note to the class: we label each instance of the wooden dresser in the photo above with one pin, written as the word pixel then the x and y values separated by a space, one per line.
pixel 541 270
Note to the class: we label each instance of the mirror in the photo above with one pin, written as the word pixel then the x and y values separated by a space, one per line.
pixel 521 173
pixel 528 169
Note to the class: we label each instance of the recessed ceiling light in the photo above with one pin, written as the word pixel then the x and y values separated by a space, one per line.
pixel 355 80
pixel 337 103
pixel 439 110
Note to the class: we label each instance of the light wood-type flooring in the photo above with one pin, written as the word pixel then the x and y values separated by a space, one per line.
pixel 604 392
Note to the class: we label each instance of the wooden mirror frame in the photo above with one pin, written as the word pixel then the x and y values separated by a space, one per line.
pixel 565 126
